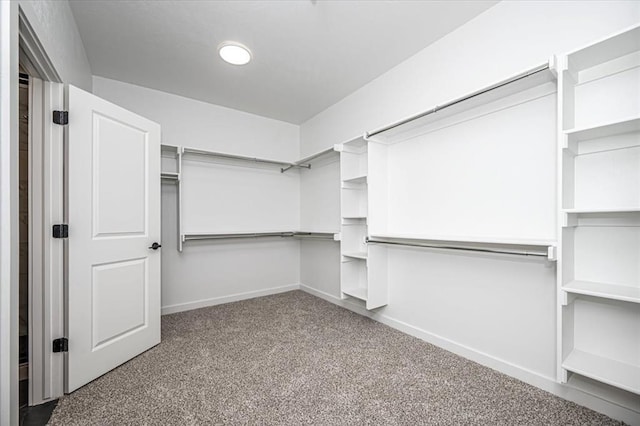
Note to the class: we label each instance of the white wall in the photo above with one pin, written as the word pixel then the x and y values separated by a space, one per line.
pixel 498 310
pixel 54 24
pixel 320 212
pixel 221 198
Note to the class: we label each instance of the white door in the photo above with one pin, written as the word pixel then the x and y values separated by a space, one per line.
pixel 113 299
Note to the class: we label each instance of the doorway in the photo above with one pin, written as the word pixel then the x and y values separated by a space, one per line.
pixel 23 196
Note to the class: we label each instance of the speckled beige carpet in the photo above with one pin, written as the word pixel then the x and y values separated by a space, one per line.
pixel 295 359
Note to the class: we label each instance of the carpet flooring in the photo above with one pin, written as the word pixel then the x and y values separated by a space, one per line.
pixel 295 359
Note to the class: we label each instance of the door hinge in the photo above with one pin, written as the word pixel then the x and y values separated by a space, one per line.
pixel 61 345
pixel 61 231
pixel 61 117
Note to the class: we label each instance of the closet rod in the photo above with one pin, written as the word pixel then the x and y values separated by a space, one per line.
pixel 454 247
pixel 459 100
pixel 194 237
pixel 317 235
pixel 190 237
pixel 302 162
pixel 236 157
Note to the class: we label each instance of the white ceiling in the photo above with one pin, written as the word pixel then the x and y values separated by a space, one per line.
pixel 307 54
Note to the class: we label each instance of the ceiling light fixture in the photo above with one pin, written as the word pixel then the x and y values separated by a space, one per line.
pixel 234 53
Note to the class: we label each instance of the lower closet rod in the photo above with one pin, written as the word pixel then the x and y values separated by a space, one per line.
pixel 314 235
pixel 318 235
pixel 231 236
pixel 448 247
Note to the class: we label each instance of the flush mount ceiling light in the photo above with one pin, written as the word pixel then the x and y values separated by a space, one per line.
pixel 234 53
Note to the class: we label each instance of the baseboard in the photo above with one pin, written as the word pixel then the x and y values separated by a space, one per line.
pixel 203 303
pixel 594 402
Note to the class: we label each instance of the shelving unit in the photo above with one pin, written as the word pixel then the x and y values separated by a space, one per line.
pixel 171 172
pixel 358 276
pixel 599 216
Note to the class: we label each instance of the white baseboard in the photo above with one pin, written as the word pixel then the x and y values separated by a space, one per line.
pixel 203 303
pixel 594 402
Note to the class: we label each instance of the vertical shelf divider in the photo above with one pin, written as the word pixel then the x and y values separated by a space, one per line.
pixel 356 279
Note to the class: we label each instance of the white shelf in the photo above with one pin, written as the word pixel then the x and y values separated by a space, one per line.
pixel 359 142
pixel 625 42
pixel 604 290
pixel 601 130
pixel 356 255
pixel 354 221
pixel 354 217
pixel 605 370
pixel 356 179
pixel 603 210
pixel 357 292
pixel 470 239
pixel 169 149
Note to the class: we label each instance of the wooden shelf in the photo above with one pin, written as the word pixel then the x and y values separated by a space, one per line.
pixel 609 291
pixel 356 255
pixel 357 292
pixel 601 130
pixel 605 370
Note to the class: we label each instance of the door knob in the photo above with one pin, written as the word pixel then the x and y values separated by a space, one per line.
pixel 155 246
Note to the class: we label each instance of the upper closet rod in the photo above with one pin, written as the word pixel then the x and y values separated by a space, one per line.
pixel 454 247
pixel 303 162
pixel 457 101
pixel 236 157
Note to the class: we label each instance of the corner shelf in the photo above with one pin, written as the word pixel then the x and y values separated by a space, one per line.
pixel 605 370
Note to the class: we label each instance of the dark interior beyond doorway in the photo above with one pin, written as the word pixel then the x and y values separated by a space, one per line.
pixel 24 238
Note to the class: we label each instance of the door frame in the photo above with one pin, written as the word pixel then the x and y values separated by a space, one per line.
pixel 19 43
pixel 46 255
pixel 46 207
